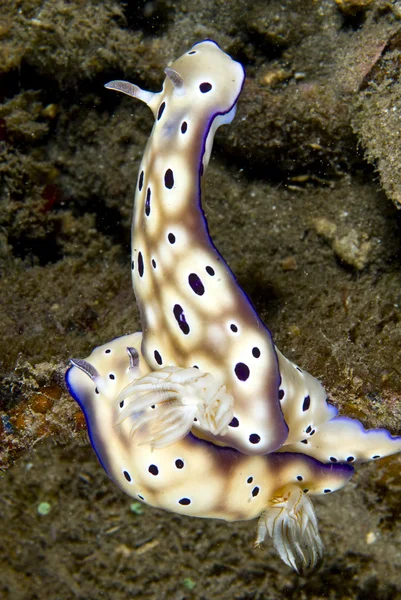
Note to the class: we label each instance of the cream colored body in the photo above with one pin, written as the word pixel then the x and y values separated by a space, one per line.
pixel 210 343
pixel 197 478
pixel 219 482
pixel 218 329
pixel 215 327
pixel 141 397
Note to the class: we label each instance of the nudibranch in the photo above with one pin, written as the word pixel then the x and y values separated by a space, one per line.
pixel 193 312
pixel 203 394
pixel 275 487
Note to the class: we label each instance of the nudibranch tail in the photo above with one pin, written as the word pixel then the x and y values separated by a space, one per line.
pixel 316 430
pixel 179 398
pixel 303 401
pixel 291 522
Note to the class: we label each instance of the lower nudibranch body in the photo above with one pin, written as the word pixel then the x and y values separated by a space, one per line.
pixel 275 487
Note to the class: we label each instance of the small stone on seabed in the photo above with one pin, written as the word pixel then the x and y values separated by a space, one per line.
pixel 351 246
pixel 294 330
pixel 136 508
pixel 371 537
pixel 273 77
pixel 44 508
pixel 123 550
pixel 289 264
pixel 189 583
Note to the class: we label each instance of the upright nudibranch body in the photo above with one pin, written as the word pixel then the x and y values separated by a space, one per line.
pixel 193 312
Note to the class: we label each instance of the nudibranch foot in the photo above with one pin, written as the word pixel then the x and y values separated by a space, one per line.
pixel 166 404
pixel 291 522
